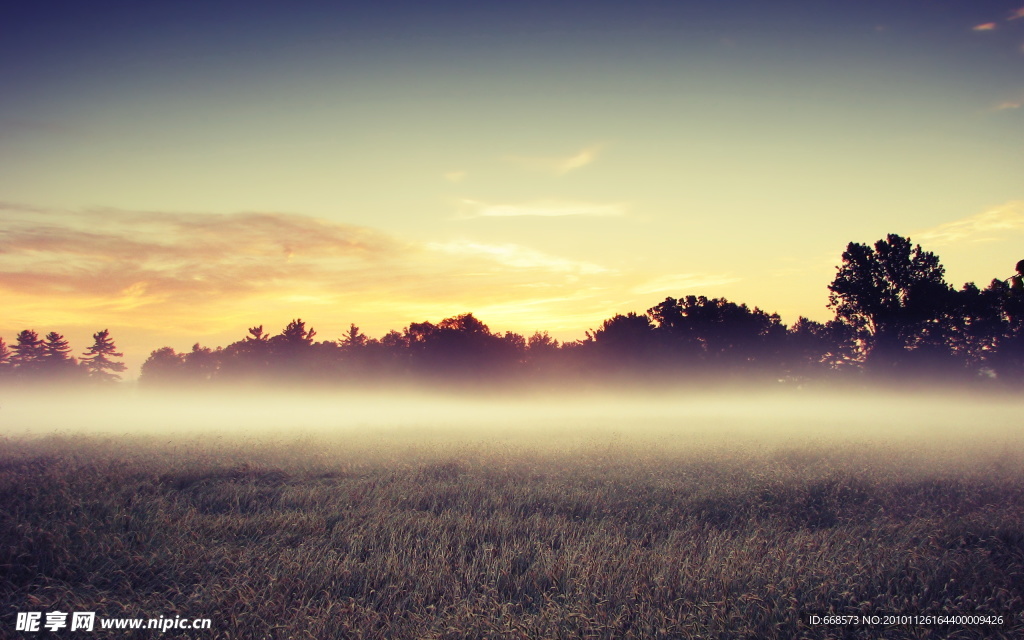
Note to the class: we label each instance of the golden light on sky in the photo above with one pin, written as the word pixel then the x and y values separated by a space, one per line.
pixel 178 174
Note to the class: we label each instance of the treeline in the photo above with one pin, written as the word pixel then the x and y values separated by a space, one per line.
pixel 31 358
pixel 894 316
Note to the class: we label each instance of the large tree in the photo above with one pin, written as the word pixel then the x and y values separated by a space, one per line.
pixel 894 296
pixel 97 360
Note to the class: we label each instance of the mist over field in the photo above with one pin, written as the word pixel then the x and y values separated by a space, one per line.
pixel 908 420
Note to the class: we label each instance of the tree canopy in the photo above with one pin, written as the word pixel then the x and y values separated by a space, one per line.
pixel 894 296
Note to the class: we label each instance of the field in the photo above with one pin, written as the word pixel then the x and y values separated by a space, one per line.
pixel 638 530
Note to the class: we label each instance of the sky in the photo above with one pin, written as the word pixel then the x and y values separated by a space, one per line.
pixel 177 172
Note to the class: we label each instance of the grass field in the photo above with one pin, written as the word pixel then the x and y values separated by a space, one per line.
pixel 573 534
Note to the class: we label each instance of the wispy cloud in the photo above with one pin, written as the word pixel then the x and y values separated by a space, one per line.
pixel 681 282
pixel 558 165
pixel 1008 104
pixel 202 273
pixel 517 256
pixel 191 241
pixel 542 208
pixel 178 265
pixel 1016 14
pixel 987 226
pixel 455 176
pixel 15 208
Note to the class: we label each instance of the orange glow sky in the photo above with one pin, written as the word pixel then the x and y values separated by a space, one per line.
pixel 178 174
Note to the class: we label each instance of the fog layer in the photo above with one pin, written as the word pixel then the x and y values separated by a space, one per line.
pixel 906 421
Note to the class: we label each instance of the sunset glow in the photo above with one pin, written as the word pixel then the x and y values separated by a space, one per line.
pixel 179 173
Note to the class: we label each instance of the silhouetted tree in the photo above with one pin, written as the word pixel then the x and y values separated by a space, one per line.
pixel 720 333
pixel 350 358
pixel 57 361
pixel 1017 280
pixel 28 353
pixel 248 358
pixel 328 360
pixel 541 346
pixel 544 356
pixel 458 348
pixel 813 348
pixel 295 334
pixel 201 364
pixel 97 360
pixel 515 343
pixel 291 350
pixel 416 337
pixel 1005 300
pixel 894 296
pixel 394 340
pixel 5 359
pixel 974 325
pixel 56 348
pixel 625 343
pixel 388 356
pixel 353 338
pixel 163 366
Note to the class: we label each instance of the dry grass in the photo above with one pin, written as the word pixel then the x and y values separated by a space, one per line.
pixel 498 539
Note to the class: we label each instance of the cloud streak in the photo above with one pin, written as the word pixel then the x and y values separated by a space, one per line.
pixel 516 256
pixel 201 273
pixel 543 209
pixel 1016 14
pixel 986 226
pixel 169 266
pixel 557 165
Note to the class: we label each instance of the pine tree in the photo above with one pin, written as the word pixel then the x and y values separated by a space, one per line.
pixel 97 359
pixel 57 360
pixel 291 350
pixel 353 338
pixel 256 334
pixel 28 353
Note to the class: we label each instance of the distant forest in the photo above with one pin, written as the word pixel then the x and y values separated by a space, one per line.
pixel 895 316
